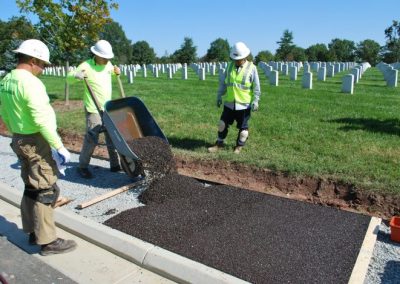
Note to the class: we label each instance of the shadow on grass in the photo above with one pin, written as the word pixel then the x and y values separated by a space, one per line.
pixel 187 143
pixel 52 97
pixel 388 126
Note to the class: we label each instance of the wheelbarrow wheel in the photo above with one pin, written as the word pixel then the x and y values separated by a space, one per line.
pixel 132 168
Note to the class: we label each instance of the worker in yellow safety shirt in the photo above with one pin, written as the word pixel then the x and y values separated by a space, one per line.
pixel 98 71
pixel 26 111
pixel 241 87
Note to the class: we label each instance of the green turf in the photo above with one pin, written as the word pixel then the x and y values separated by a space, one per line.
pixel 318 133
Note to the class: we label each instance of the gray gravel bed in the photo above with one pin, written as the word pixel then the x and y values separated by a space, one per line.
pixel 383 268
pixel 77 188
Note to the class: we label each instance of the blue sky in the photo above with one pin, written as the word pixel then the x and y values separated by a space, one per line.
pixel 258 23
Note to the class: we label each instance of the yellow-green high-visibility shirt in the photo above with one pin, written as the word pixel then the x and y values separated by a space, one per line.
pixel 99 79
pixel 25 106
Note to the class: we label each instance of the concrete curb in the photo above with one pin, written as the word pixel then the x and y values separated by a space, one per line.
pixel 360 268
pixel 148 256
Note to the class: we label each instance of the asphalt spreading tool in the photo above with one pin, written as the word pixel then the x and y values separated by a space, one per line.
pixel 110 194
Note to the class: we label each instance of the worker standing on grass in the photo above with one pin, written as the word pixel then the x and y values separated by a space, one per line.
pixel 27 113
pixel 241 85
pixel 98 71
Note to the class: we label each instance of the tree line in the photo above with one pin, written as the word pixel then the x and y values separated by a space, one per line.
pixel 70 27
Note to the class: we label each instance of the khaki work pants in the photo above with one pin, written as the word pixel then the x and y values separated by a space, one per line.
pixel 38 172
pixel 93 129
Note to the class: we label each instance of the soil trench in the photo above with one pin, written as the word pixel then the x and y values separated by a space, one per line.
pixel 317 191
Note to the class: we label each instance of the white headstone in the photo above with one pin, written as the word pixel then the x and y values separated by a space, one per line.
pixel 130 77
pixel 293 73
pixel 356 74
pixel 169 70
pixel 307 80
pixel 348 83
pixel 202 73
pixel 322 74
pixel 285 69
pixel 274 78
pixel 184 73
pixel 330 71
pixel 337 68
pixel 392 78
pixel 213 69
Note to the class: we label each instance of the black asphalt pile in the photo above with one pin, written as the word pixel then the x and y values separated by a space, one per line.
pixel 155 154
pixel 165 188
pixel 254 236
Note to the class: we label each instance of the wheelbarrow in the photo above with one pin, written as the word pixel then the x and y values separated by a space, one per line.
pixel 126 119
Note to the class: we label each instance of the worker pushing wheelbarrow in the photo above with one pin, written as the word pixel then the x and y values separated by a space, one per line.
pixel 122 121
pixel 126 119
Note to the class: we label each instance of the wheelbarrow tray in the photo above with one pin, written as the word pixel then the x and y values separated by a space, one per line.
pixel 127 119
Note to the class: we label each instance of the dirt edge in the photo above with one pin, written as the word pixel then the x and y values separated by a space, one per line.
pixel 317 191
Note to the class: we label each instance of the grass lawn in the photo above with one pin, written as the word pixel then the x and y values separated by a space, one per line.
pixel 318 133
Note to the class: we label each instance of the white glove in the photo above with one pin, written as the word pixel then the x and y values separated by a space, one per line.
pixel 255 106
pixel 80 75
pixel 64 155
pixel 219 102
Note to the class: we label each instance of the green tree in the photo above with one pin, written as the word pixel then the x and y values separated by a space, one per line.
pixel 342 49
pixel 297 54
pixel 368 51
pixel 218 51
pixel 187 52
pixel 317 52
pixel 166 58
pixel 285 46
pixel 142 53
pixel 122 46
pixel 264 56
pixel 12 33
pixel 392 47
pixel 70 25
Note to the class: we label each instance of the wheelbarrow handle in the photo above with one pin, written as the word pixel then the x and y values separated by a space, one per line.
pixel 121 88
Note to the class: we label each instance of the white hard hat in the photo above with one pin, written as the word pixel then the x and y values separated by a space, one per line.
pixel 239 51
pixel 103 49
pixel 34 48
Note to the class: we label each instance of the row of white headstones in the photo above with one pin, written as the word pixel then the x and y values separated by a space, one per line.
pixel 271 70
pixel 323 70
pixel 201 69
pixel 390 72
pixel 328 69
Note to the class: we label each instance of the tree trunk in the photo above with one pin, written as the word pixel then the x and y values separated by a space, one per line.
pixel 66 87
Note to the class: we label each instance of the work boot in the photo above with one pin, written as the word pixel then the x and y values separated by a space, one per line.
pixel 216 147
pixel 32 239
pixel 58 246
pixel 85 173
pixel 115 169
pixel 237 149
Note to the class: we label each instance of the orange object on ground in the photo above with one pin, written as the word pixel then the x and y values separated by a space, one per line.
pixel 395 229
